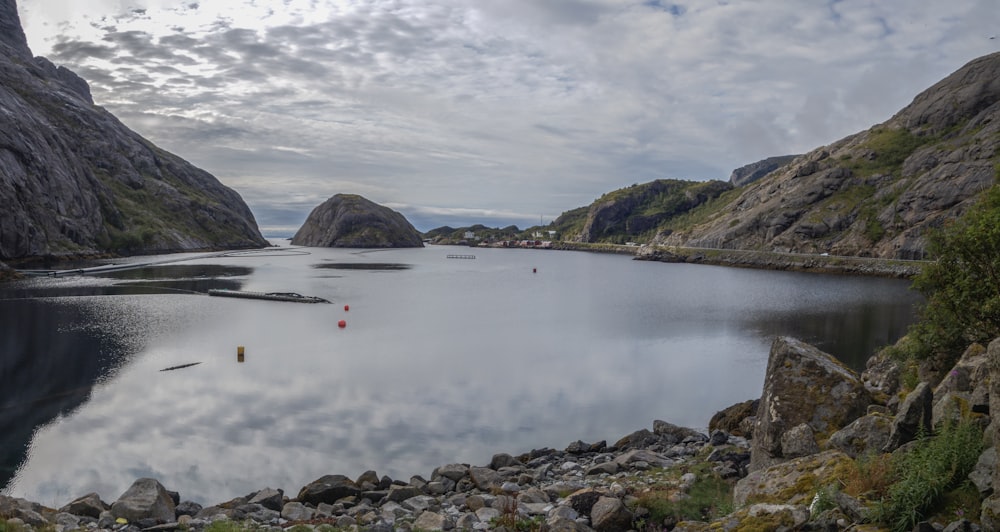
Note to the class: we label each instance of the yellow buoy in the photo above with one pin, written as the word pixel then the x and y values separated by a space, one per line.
pixel 239 353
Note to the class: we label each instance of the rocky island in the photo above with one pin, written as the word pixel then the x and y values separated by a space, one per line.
pixel 351 221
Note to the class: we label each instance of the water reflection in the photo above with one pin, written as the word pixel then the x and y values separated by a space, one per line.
pixel 444 361
pixel 374 266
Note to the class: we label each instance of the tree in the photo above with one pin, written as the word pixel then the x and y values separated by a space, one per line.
pixel 962 286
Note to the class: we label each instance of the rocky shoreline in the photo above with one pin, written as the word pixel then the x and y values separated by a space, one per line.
pixel 775 463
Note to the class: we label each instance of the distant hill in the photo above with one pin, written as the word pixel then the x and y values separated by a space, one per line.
pixel 878 192
pixel 351 221
pixel 636 213
pixel 457 235
pixel 75 181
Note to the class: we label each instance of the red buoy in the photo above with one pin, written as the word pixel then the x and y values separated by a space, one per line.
pixel 347 307
pixel 341 324
pixel 534 270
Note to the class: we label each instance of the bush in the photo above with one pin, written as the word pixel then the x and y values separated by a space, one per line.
pixel 962 286
pixel 925 474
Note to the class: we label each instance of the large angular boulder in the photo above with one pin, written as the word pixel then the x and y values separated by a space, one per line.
pixel 146 498
pixel 609 514
pixel 914 415
pixel 864 435
pixel 803 385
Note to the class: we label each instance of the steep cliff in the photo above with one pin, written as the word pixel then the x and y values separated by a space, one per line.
pixel 632 212
pixel 875 193
pixel 74 180
pixel 351 221
pixel 745 175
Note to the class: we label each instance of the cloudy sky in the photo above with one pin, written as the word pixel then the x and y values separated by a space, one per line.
pixel 497 111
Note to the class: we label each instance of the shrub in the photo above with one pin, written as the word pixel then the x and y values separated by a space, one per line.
pixel 963 286
pixel 925 474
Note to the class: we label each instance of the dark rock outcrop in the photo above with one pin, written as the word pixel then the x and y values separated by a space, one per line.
pixel 351 221
pixel 75 181
pixel 745 175
pixel 876 193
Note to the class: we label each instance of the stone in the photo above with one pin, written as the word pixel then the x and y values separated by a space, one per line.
pixel 369 480
pixel 484 478
pixel 187 508
pixel 269 498
pixel 352 221
pixel 420 503
pixel 501 460
pixel 803 385
pixel 982 474
pixel 914 415
pixel 583 500
pixel 642 455
pixel 731 418
pixel 432 521
pixel 609 514
pixel 146 498
pixel 718 437
pixel 296 511
pixel 89 505
pixel 747 174
pixel 606 468
pixel 781 483
pixel 329 489
pixel 993 364
pixel 485 515
pixel 798 515
pixel 864 435
pixel 949 407
pixel 799 441
pixel 401 493
pixel 989 516
pixel 454 472
pixel 671 433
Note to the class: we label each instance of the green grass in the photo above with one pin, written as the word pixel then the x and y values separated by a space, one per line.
pixel 709 497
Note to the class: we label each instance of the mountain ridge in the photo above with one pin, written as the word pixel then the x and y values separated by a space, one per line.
pixel 75 181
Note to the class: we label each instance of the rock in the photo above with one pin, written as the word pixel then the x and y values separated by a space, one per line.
pixel 799 441
pixel 351 221
pixel 605 468
pixel 90 505
pixel 785 482
pixel 982 474
pixel 502 460
pixel 670 433
pixel 485 478
pixel 949 407
pixel 74 180
pixel 369 480
pixel 913 416
pixel 803 385
pixel 788 515
pixel 583 500
pixel 296 511
pixel 863 435
pixel 187 508
pixel 146 498
pixel 747 174
pixel 269 498
pixel 432 521
pixel 642 455
pixel 454 472
pixel 989 515
pixel 961 525
pixel 30 513
pixel 609 515
pixel 329 489
pixel 718 437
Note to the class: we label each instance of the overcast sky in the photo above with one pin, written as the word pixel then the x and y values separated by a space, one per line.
pixel 497 111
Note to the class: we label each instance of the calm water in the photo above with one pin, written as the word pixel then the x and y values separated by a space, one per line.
pixel 442 360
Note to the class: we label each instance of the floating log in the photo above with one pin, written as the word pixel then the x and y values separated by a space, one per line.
pixel 461 256
pixel 268 296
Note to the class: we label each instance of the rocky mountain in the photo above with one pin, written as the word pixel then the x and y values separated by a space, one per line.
pixel 351 221
pixel 745 175
pixel 878 192
pixel 632 212
pixel 75 181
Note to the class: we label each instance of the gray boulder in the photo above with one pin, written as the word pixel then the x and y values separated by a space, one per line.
pixel 799 441
pixel 863 435
pixel 609 514
pixel 915 414
pixel 803 385
pixel 671 433
pixel 146 498
pixel 982 475
pixel 90 505
pixel 328 489
pixel 269 498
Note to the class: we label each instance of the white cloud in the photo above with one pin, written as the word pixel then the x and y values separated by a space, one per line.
pixel 511 107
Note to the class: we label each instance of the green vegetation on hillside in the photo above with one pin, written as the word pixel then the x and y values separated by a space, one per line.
pixel 887 148
pixel 962 286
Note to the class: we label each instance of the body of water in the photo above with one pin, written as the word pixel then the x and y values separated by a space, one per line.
pixel 441 360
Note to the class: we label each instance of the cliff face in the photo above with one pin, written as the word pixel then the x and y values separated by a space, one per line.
pixel 75 180
pixel 878 192
pixel 351 221
pixel 745 175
